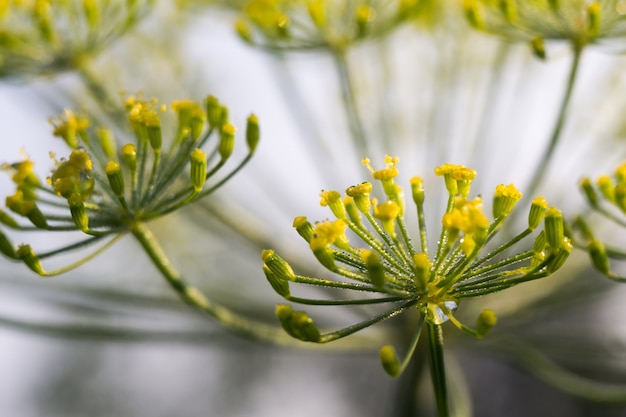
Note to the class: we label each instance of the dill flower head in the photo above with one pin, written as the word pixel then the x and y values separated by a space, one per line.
pixel 368 247
pixel 43 36
pixel 300 24
pixel 581 22
pixel 107 187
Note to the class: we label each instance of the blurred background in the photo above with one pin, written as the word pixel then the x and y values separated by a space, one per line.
pixel 112 339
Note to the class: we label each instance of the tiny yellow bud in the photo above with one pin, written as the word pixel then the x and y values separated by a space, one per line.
pixel 485 322
pixel 198 167
pixel 214 112
pixel 297 324
pixel 353 212
pixel 361 195
pixel 537 212
pixel 505 198
pixel 30 259
pixel 332 199
pixel 606 187
pixel 113 172
pixel 227 141
pixel 598 255
pixel 538 47
pixel 277 265
pixel 242 28
pixel 107 142
pixel 129 154
pixel 375 269
pixel 417 190
pixel 553 225
pixel 422 270
pixel 589 192
pixel 78 211
pixel 303 227
pixel 389 360
pixel 560 255
pixel 279 285
pixel 253 133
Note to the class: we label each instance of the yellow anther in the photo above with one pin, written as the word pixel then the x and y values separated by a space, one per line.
pixel 69 126
pixel 328 233
pixel 386 211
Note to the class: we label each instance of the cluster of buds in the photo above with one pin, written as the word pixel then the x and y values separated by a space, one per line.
pixel 301 25
pixel 106 187
pixel 606 197
pixel 387 268
pixel 579 22
pixel 40 36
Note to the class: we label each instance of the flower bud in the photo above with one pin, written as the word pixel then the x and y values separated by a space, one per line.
pixel 352 211
pixel 589 192
pixel 213 112
pixel 253 133
pixel 560 255
pixel 554 228
pixel 332 199
pixel 422 270
pixel 303 227
pixel 538 47
pixel 361 195
pixel 107 142
pixel 504 199
pixel 30 259
pixel 279 285
pixel 227 141
pixel 115 177
pixel 79 214
pixel 277 265
pixel 598 255
pixel 389 360
pixel 198 169
pixel 297 324
pixel 486 320
pixel 129 154
pixel 417 190
pixel 375 269
pixel 325 256
pixel 243 30
pixel 537 212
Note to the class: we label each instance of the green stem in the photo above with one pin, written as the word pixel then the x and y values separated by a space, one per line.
pixel 437 368
pixel 349 101
pixel 542 166
pixel 194 297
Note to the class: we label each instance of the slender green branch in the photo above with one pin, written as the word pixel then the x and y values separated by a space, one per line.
pixel 194 297
pixel 542 166
pixel 349 101
pixel 437 368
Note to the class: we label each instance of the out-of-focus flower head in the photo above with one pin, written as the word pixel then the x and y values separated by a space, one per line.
pixel 44 36
pixel 580 22
pixel 107 187
pixel 309 24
